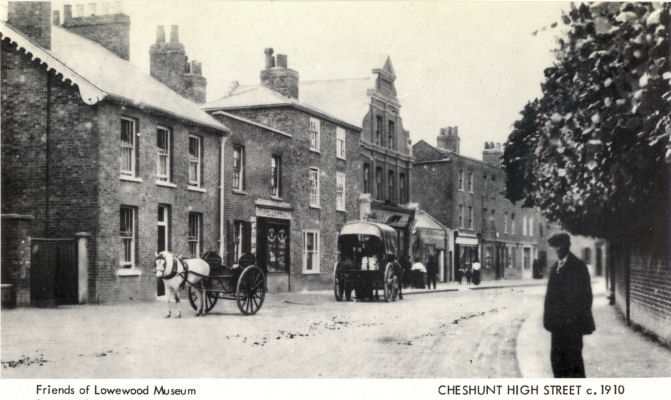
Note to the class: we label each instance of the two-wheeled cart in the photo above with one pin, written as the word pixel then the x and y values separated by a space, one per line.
pixel 244 283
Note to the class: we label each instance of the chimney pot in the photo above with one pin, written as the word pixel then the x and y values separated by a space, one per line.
pixel 67 13
pixel 282 60
pixel 56 17
pixel 160 34
pixel 196 67
pixel 270 60
pixel 174 34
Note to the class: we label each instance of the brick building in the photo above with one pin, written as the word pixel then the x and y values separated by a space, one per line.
pixel 92 144
pixel 372 104
pixel 291 178
pixel 468 197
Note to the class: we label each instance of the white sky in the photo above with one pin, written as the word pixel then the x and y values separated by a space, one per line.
pixel 473 65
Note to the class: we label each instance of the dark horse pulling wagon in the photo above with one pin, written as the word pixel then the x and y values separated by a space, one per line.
pixel 367 262
pixel 246 284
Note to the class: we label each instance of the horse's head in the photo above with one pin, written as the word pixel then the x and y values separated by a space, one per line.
pixel 161 263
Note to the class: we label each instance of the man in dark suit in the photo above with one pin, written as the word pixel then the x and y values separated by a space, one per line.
pixel 568 309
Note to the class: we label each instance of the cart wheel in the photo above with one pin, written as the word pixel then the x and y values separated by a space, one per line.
pixel 251 290
pixel 210 299
pixel 338 285
pixel 390 284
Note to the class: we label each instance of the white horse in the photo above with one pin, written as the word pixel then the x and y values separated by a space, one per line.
pixel 175 272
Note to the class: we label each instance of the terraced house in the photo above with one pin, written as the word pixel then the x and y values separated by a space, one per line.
pixel 102 164
pixel 469 199
pixel 292 177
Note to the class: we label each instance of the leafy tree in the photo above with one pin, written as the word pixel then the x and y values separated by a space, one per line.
pixel 593 152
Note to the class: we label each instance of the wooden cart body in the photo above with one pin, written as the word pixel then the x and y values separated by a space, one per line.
pixel 245 283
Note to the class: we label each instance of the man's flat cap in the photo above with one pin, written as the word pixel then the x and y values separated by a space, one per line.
pixel 560 240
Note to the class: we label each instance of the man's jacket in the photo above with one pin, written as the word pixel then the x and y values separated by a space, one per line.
pixel 568 301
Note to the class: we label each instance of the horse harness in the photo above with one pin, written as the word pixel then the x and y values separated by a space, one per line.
pixel 173 272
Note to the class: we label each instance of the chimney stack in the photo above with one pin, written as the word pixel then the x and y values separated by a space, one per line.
pixel 492 154
pixel 280 77
pixel 169 64
pixel 112 31
pixel 33 18
pixel 448 139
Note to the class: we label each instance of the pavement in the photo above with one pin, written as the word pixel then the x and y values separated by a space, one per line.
pixel 614 350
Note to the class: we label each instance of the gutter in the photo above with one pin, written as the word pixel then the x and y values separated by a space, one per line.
pixel 222 219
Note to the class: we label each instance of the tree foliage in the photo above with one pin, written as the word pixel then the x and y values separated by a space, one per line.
pixel 593 151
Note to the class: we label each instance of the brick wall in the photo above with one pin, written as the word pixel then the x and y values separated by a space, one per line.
pixel 146 196
pixel 325 219
pixel 24 137
pixel 643 272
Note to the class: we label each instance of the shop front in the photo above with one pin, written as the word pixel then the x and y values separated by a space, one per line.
pixel 428 242
pixel 465 252
pixel 273 243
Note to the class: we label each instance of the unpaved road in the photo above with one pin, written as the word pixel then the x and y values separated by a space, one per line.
pixel 465 334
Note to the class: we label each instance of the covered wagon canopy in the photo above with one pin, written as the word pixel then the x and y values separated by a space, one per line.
pixel 386 233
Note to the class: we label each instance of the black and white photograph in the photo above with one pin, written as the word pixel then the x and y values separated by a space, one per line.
pixel 385 191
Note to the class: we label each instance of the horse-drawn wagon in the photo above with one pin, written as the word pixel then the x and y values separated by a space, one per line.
pixel 367 262
pixel 209 278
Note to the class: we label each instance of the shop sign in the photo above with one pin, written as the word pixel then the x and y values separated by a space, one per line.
pixel 273 213
pixel 391 219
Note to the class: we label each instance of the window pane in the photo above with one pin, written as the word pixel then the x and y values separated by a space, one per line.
pixel 194 146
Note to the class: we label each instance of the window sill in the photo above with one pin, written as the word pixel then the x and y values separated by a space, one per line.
pixel 315 207
pixel 341 158
pixel 128 178
pixel 315 151
pixel 196 189
pixel 128 272
pixel 166 184
pixel 240 192
pixel 341 210
pixel 311 272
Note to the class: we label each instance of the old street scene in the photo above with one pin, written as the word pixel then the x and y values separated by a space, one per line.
pixel 341 190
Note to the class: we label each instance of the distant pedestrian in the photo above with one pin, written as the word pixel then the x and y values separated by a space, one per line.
pixel 469 274
pixel 418 273
pixel 476 272
pixel 460 274
pixel 431 272
pixel 568 309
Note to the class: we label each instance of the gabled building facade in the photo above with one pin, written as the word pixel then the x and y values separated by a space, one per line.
pixel 87 154
pixel 386 156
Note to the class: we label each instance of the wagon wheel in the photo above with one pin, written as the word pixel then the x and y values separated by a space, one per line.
pixel 338 284
pixel 390 284
pixel 210 299
pixel 251 290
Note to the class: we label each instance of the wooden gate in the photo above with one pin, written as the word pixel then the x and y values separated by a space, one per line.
pixel 53 272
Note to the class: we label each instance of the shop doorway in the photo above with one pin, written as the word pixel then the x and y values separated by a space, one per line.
pixel 273 245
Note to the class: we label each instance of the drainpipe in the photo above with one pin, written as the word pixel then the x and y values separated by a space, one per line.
pixel 222 220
